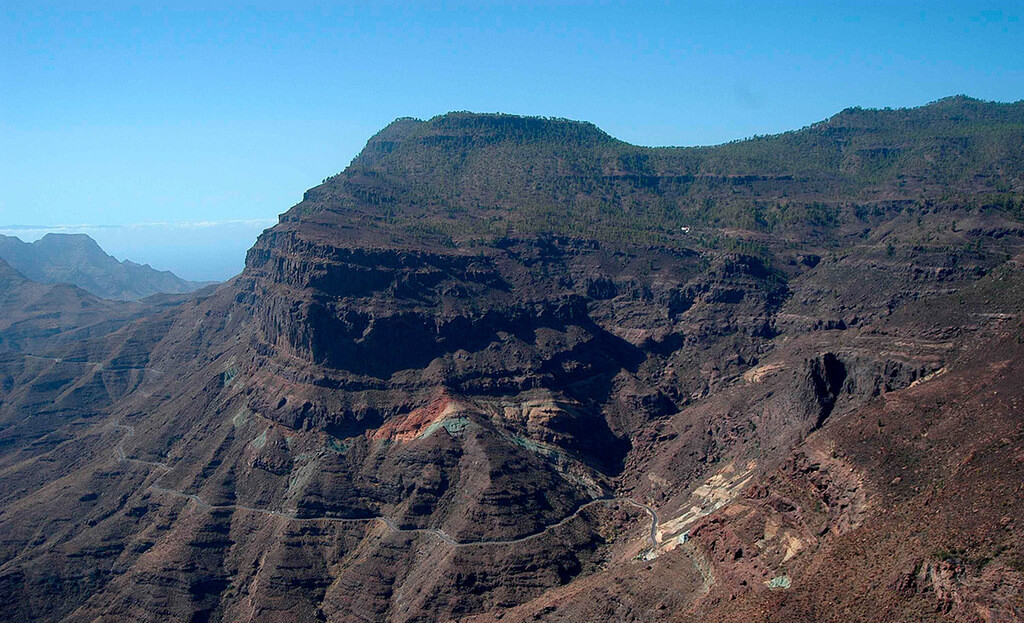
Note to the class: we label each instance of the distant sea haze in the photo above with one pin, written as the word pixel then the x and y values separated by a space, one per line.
pixel 195 250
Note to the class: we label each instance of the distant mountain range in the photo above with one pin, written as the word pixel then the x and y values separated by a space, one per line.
pixel 76 259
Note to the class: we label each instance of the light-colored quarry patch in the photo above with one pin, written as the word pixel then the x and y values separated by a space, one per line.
pixel 717 491
pixel 928 377
pixel 793 546
pixel 760 373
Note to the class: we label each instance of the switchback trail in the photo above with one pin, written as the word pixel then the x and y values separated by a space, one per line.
pixel 119 453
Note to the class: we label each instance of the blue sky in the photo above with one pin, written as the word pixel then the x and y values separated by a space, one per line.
pixel 178 134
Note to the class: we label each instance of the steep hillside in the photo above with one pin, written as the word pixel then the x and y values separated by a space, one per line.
pixel 76 259
pixel 65 356
pixel 507 367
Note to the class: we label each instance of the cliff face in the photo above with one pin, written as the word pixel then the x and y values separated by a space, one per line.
pixel 514 367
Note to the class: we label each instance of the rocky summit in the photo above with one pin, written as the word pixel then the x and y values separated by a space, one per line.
pixel 513 368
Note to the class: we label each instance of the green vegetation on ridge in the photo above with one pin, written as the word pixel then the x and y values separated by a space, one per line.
pixel 466 177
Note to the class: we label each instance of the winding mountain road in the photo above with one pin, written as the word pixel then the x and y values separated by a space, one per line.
pixel 119 453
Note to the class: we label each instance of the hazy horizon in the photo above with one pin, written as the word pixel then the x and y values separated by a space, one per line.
pixel 200 251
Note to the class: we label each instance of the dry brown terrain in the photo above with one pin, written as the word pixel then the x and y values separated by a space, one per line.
pixel 413 405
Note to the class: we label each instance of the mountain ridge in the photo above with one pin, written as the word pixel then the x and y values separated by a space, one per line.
pixel 452 178
pixel 77 259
